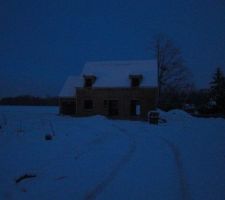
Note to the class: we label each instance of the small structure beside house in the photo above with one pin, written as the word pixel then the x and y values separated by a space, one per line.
pixel 116 89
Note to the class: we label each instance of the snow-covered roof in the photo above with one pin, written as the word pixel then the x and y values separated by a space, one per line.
pixel 116 73
pixel 113 74
pixel 69 88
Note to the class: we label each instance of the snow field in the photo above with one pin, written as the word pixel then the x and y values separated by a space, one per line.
pixel 96 158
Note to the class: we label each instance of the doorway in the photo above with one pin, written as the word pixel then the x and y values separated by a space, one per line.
pixel 113 107
pixel 135 108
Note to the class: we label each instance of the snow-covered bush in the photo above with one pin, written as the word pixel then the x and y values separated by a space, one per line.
pixel 48 137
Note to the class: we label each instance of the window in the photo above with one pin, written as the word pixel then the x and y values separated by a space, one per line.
pixel 88 104
pixel 135 82
pixel 88 82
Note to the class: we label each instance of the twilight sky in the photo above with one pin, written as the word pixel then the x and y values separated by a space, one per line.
pixel 44 41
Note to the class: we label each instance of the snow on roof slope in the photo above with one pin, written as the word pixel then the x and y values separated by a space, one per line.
pixel 116 73
pixel 71 83
pixel 113 74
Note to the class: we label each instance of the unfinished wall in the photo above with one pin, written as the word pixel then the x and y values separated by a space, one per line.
pixel 146 96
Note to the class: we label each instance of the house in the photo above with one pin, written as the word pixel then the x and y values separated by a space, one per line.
pixel 117 89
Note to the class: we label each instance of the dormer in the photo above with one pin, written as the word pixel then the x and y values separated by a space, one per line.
pixel 89 80
pixel 135 80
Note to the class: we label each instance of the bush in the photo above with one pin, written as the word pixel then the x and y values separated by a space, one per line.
pixel 48 137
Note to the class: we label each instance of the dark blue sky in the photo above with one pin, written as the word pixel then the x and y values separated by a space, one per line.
pixel 44 41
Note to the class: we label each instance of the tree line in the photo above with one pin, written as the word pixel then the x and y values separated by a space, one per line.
pixel 176 88
pixel 29 100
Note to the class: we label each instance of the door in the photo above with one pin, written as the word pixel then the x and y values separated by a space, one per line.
pixel 113 107
pixel 135 108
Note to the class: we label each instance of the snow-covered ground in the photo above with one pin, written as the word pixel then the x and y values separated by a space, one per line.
pixel 96 158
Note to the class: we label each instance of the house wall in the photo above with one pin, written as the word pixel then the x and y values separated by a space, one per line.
pixel 146 96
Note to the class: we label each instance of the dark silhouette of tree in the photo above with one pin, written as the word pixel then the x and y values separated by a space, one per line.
pixel 174 78
pixel 29 100
pixel 217 90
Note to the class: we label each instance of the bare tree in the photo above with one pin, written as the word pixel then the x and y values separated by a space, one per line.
pixel 173 75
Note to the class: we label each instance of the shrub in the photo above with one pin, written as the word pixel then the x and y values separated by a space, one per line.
pixel 48 137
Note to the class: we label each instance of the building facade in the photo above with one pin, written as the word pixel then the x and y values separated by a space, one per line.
pixel 116 89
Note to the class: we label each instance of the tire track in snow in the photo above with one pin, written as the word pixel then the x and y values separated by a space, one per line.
pixel 99 188
pixel 185 194
pixel 91 145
